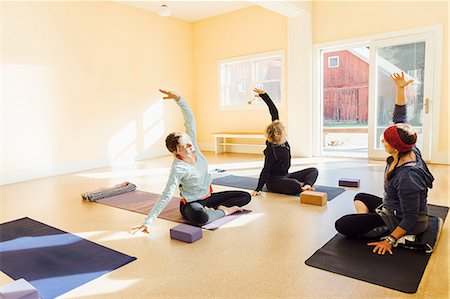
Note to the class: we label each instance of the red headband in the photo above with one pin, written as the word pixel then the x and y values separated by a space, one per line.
pixel 391 136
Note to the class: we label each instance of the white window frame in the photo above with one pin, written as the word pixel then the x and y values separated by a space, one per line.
pixel 257 104
pixel 329 62
pixel 436 30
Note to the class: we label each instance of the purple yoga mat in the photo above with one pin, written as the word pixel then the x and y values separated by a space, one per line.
pixel 224 220
pixel 143 202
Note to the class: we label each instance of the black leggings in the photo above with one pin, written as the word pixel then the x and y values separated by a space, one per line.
pixel 357 225
pixel 292 182
pixel 198 216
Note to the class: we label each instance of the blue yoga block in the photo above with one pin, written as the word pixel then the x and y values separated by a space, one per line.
pixel 186 233
pixel 349 182
pixel 19 289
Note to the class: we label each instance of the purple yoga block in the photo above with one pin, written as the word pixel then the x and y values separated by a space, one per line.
pixel 19 289
pixel 349 182
pixel 186 233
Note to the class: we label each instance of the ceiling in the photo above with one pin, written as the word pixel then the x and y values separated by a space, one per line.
pixel 191 11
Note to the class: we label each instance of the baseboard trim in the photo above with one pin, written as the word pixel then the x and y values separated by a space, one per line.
pixel 440 158
pixel 17 176
pixel 22 175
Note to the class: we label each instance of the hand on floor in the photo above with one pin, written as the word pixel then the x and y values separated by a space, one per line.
pixel 230 210
pixel 140 228
pixel 255 193
pixel 308 188
pixel 381 247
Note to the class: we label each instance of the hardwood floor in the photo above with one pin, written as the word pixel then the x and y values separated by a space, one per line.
pixel 258 256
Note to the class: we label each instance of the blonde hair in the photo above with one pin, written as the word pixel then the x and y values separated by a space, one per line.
pixel 276 132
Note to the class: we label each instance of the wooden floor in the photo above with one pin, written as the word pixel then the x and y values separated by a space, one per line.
pixel 258 256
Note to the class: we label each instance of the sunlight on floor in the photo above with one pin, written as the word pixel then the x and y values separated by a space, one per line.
pixel 104 285
pixel 241 221
pixel 213 166
pixel 109 235
pixel 26 243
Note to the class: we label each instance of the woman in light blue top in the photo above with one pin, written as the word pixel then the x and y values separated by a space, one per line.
pixel 189 172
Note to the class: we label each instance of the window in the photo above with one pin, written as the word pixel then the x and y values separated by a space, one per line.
pixel 239 76
pixel 333 61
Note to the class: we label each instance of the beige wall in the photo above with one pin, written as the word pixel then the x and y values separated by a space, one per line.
pixel 339 20
pixel 80 84
pixel 80 79
pixel 248 31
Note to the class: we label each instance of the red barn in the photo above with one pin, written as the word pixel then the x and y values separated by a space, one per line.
pixel 345 88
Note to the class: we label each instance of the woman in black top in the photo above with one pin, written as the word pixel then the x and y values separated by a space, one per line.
pixel 277 160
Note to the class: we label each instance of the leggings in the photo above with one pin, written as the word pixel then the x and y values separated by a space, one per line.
pixel 358 225
pixel 198 216
pixel 292 182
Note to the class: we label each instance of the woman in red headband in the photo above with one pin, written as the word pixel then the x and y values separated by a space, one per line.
pixel 403 208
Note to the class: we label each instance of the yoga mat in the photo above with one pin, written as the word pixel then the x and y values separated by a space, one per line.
pixel 52 260
pixel 142 202
pixel 251 183
pixel 106 192
pixel 224 220
pixel 352 257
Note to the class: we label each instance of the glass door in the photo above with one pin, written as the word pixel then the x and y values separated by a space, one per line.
pixel 412 55
pixel 344 92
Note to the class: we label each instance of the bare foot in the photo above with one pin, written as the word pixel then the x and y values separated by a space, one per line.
pixel 308 188
pixel 230 210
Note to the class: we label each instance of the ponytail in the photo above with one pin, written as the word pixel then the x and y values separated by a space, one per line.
pixel 390 172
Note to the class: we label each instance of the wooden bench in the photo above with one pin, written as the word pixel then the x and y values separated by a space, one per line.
pixel 222 140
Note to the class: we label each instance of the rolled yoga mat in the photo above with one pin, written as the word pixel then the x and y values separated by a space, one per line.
pixel 251 183
pixel 143 202
pixel 352 257
pixel 52 260
pixel 107 192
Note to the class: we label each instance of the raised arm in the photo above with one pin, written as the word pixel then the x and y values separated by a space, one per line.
pixel 400 99
pixel 188 115
pixel 272 108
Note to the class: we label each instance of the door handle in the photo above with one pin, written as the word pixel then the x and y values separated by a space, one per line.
pixel 427 105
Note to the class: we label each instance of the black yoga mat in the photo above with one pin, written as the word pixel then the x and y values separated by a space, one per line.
pixel 352 257
pixel 251 183
pixel 52 260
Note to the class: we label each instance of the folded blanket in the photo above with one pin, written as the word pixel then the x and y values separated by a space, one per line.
pixel 424 242
pixel 107 192
pixel 427 240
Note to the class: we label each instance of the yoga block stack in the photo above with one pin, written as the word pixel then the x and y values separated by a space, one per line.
pixel 186 233
pixel 19 289
pixel 349 182
pixel 313 198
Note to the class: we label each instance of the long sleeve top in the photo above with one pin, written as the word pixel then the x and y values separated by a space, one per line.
pixel 277 157
pixel 406 192
pixel 192 179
